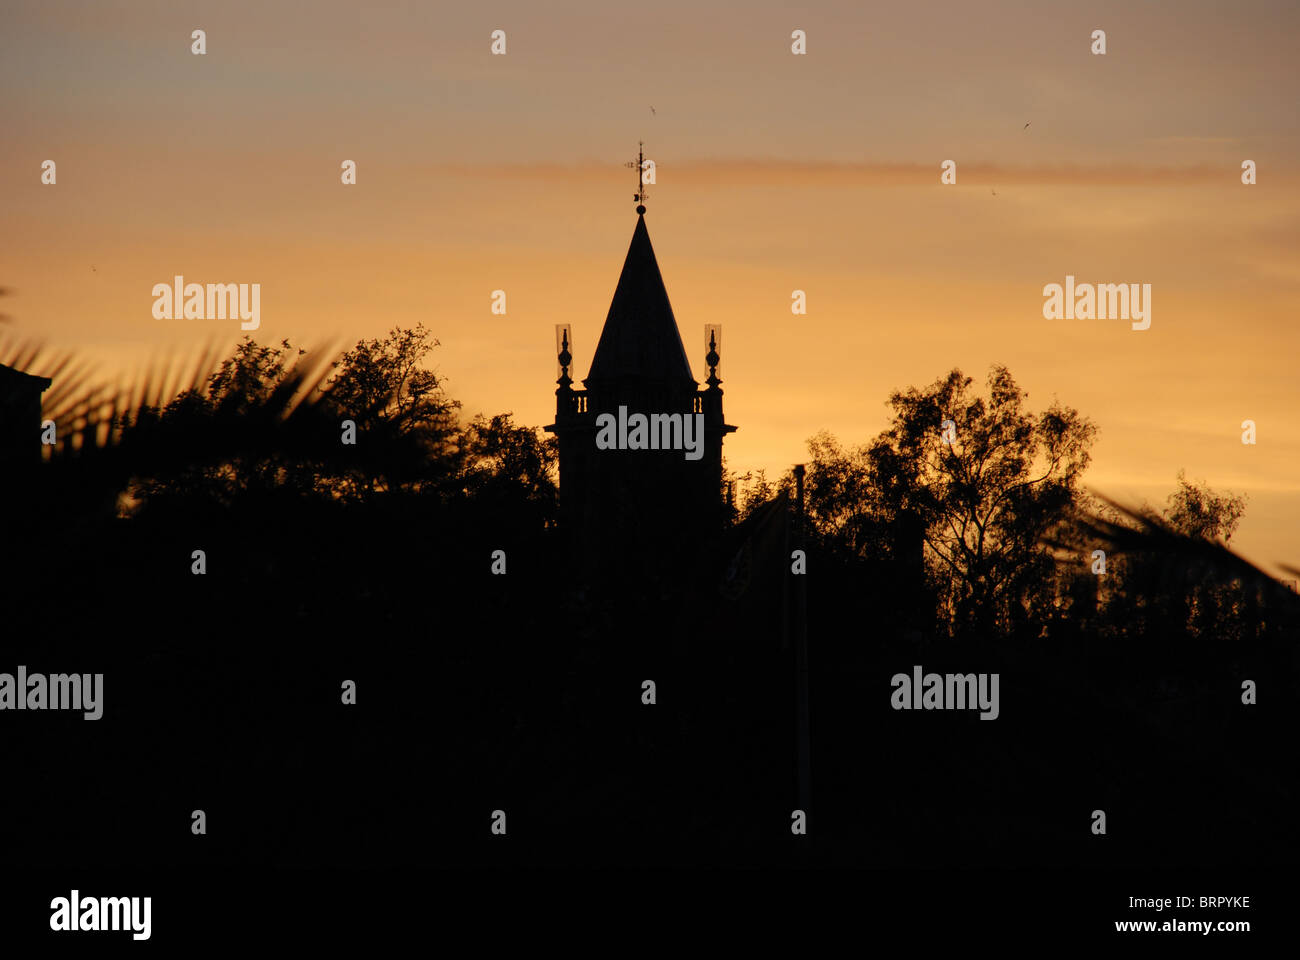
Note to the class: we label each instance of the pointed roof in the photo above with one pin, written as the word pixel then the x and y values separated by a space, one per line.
pixel 640 338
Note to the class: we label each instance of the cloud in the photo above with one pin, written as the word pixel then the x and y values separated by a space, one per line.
pixel 1192 140
pixel 749 173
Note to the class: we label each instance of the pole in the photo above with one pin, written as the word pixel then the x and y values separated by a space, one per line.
pixel 803 741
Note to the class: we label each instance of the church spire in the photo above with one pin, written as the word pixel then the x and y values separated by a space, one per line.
pixel 640 339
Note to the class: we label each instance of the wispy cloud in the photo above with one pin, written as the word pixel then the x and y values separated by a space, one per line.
pixel 1192 140
pixel 749 173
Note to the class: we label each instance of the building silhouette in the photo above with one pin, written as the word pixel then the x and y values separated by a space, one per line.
pixel 20 417
pixel 618 505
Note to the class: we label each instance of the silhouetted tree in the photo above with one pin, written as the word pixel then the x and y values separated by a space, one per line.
pixel 1170 577
pixel 382 383
pixel 1197 511
pixel 969 514
pixel 246 432
pixel 511 469
pixel 984 501
pixel 260 425
pixel 405 423
pixel 249 376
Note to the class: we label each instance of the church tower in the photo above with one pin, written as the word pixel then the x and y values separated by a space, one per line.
pixel 627 490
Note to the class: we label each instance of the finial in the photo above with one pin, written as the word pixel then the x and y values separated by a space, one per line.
pixel 712 358
pixel 639 164
pixel 564 357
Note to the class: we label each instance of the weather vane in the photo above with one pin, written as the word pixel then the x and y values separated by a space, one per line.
pixel 639 163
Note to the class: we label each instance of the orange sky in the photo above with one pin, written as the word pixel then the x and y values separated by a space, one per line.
pixel 775 172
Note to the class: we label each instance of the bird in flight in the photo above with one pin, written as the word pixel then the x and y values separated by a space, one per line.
pixel 995 193
pixel 652 110
pixel 1026 126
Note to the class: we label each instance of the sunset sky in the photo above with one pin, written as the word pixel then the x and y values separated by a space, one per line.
pixel 775 172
